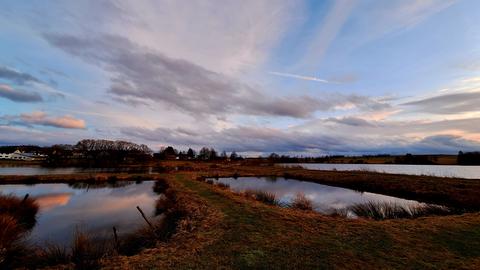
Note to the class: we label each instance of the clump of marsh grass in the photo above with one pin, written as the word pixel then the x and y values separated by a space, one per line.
pixel 11 247
pixel 301 202
pixel 209 181
pixel 17 217
pixel 262 196
pixel 24 210
pixel 386 210
pixel 223 185
pixel 343 212
pixel 86 252
pixel 52 254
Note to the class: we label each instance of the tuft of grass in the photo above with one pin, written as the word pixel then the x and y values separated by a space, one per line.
pixel 17 217
pixel 432 210
pixel 301 202
pixel 339 213
pixel 23 210
pixel 210 182
pixel 52 254
pixel 12 247
pixel 87 252
pixel 223 185
pixel 262 196
pixel 10 230
pixel 381 211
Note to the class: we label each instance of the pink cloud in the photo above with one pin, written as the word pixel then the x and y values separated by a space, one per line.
pixel 41 118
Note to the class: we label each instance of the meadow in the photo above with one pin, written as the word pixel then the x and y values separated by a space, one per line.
pixel 212 227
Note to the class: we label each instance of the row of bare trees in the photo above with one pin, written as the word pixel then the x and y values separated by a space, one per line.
pixel 91 152
pixel 204 154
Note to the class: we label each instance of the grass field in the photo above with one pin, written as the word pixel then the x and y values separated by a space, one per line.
pixel 223 230
pixel 245 234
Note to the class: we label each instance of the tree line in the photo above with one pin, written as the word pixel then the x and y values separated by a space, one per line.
pixel 170 153
pixel 468 158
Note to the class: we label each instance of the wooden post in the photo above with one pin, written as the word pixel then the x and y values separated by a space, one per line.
pixel 117 244
pixel 144 217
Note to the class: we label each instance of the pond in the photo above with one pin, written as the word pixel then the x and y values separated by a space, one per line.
pixel 325 198
pixel 39 170
pixel 469 172
pixel 91 208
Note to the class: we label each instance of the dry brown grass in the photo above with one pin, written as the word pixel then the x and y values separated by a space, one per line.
pixel 301 202
pixel 24 210
pixel 221 230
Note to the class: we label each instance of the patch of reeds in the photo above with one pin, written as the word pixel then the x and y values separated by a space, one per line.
pixel 86 252
pixel 386 210
pixel 9 230
pixel 343 212
pixel 262 196
pixel 17 217
pixel 223 185
pixel 52 254
pixel 23 210
pixel 301 202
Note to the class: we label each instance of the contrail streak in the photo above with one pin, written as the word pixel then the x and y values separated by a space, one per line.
pixel 300 77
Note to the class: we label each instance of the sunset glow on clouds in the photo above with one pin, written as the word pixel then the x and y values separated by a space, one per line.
pixel 297 77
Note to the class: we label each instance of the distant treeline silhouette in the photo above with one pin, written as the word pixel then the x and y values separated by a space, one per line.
pixel 95 153
pixel 468 158
pixel 169 153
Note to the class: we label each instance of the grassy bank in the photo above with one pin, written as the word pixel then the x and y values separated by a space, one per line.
pixel 235 232
pixel 220 229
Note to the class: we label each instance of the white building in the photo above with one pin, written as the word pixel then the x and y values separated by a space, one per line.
pixel 18 155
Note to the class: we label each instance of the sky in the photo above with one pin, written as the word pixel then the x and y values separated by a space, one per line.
pixel 292 77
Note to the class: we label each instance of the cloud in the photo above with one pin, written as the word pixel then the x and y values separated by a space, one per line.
pixel 326 136
pixel 328 30
pixel 14 135
pixel 43 119
pixel 227 36
pixel 447 103
pixel 19 95
pixel 141 75
pixel 17 76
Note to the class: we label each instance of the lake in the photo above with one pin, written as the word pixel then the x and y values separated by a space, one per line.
pixel 91 208
pixel 469 172
pixel 324 198
pixel 38 170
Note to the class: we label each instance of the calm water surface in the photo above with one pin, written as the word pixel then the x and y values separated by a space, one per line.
pixel 38 170
pixel 325 198
pixel 91 208
pixel 470 172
